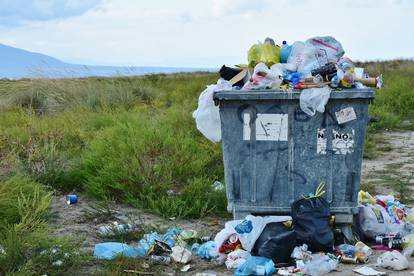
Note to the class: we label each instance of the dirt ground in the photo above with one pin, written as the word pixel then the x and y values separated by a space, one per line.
pixel 83 219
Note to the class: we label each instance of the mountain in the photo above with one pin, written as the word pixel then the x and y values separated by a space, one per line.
pixel 17 63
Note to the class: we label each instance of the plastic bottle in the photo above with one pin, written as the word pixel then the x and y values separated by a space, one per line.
pixel 285 52
pixel 159 259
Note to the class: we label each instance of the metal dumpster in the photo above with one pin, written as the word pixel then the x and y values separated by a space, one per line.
pixel 274 153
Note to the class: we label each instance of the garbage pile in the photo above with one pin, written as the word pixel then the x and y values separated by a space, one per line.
pixel 314 68
pixel 304 243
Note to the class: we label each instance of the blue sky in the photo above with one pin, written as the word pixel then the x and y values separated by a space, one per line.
pixel 200 33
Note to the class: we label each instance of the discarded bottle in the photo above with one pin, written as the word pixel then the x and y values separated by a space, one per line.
pixel 392 241
pixel 159 259
pixel 107 230
pixel 285 52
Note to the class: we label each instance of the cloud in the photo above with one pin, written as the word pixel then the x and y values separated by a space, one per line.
pixel 237 7
pixel 209 33
pixel 15 12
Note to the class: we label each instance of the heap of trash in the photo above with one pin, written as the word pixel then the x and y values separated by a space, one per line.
pixel 304 243
pixel 314 68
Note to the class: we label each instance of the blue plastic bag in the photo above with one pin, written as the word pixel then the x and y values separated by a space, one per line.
pixel 256 266
pixel 208 251
pixel 110 250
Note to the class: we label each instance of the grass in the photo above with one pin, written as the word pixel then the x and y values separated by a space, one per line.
pixel 130 140
pixel 125 139
pixel 134 140
pixel 25 240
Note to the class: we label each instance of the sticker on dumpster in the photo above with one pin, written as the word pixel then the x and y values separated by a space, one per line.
pixel 269 127
pixel 321 141
pixel 246 126
pixel 343 142
pixel 345 115
pixel 272 127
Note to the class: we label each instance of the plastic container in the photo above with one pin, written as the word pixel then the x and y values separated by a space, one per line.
pixel 285 52
pixel 274 153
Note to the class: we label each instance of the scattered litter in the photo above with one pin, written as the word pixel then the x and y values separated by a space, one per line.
pixel 320 264
pixel 110 250
pixel 206 274
pixel 185 268
pixel 214 222
pixel 137 272
pixel 71 199
pixel 256 266
pixel 181 254
pixel 350 254
pixel 247 230
pixel 407 244
pixel 393 260
pixel 159 259
pixel 208 251
pixel 218 186
pixel 115 228
pixel 276 242
pixel 57 263
pixel 301 253
pixel 368 271
pixel 237 258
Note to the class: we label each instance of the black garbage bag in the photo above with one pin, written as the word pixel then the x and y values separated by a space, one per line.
pixel 311 223
pixel 276 242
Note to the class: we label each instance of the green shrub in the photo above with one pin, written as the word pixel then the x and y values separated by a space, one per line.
pixel 27 248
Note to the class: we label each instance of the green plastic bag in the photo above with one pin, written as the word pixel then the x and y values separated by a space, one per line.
pixel 265 53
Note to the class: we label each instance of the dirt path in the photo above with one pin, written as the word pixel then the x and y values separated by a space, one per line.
pixel 84 218
pixel 393 166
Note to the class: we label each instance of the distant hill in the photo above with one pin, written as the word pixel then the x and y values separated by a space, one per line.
pixel 17 63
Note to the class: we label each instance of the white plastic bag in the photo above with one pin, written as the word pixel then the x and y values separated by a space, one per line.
pixel 248 230
pixel 327 45
pixel 314 99
pixel 375 220
pixel 236 258
pixel 393 260
pixel 263 77
pixel 304 58
pixel 207 115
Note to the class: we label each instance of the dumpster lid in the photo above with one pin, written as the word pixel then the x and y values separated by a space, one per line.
pixel 238 95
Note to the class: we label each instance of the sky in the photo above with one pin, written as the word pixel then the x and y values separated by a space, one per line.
pixel 208 33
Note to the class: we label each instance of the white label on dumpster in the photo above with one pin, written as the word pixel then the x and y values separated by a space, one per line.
pixel 321 141
pixel 345 115
pixel 272 127
pixel 343 142
pixel 246 126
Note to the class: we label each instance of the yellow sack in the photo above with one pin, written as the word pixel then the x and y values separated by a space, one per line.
pixel 253 55
pixel 270 54
pixel 266 53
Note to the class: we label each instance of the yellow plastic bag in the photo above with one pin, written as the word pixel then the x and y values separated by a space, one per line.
pixel 263 52
pixel 253 55
pixel 270 54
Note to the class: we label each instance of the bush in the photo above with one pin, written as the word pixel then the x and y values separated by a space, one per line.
pixel 26 244
pixel 141 157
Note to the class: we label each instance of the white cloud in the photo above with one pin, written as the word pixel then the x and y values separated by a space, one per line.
pixel 14 12
pixel 211 33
